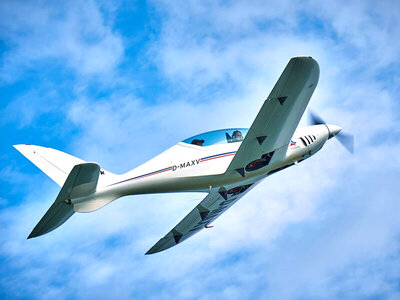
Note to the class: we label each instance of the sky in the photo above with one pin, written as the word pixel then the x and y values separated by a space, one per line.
pixel 119 82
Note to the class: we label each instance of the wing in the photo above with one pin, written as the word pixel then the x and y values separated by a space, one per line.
pixel 280 114
pixel 210 208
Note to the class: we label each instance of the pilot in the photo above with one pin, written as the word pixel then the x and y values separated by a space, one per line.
pixel 197 142
pixel 237 136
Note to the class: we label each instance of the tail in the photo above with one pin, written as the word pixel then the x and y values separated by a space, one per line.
pixel 56 164
pixel 82 181
pixel 77 178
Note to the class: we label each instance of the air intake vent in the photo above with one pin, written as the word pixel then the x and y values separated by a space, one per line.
pixel 303 141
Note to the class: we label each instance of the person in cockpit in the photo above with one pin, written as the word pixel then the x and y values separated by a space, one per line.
pixel 237 136
pixel 198 142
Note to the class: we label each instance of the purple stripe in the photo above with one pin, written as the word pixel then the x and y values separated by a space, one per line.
pixel 207 157
pixel 144 175
pixel 170 168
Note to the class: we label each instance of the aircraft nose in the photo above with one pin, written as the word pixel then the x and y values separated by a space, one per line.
pixel 333 130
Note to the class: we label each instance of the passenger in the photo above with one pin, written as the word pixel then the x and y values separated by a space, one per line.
pixel 198 142
pixel 237 136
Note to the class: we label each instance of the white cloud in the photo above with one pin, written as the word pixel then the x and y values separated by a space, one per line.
pixel 316 230
pixel 72 34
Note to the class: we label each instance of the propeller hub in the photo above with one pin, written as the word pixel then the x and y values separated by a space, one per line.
pixel 333 130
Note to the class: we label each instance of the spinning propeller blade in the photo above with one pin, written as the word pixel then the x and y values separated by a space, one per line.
pixel 314 119
pixel 346 139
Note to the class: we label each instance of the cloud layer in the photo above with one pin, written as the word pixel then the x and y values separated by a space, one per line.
pixel 327 228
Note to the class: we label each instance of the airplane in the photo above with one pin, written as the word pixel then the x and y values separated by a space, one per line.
pixel 226 163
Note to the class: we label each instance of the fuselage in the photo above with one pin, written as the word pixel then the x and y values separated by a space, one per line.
pixel 192 166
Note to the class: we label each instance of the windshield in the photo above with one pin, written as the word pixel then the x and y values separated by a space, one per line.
pixel 221 136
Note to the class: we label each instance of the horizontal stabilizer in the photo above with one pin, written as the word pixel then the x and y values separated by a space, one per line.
pixel 55 164
pixel 82 181
pixel 92 205
pixel 57 215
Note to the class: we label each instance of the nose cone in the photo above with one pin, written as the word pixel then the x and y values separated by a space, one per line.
pixel 333 130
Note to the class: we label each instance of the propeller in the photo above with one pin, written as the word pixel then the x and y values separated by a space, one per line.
pixel 314 119
pixel 346 139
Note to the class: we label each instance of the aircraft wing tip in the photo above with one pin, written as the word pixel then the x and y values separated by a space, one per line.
pixel 153 250
pixel 163 244
pixel 31 235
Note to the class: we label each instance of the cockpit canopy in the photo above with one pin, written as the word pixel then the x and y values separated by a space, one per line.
pixel 222 136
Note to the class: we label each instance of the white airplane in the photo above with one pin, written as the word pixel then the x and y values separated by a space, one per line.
pixel 225 163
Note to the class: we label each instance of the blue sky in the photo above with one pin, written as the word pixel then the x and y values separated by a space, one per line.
pixel 119 83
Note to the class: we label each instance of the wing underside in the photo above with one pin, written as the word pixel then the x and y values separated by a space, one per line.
pixel 280 114
pixel 209 209
pixel 270 133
